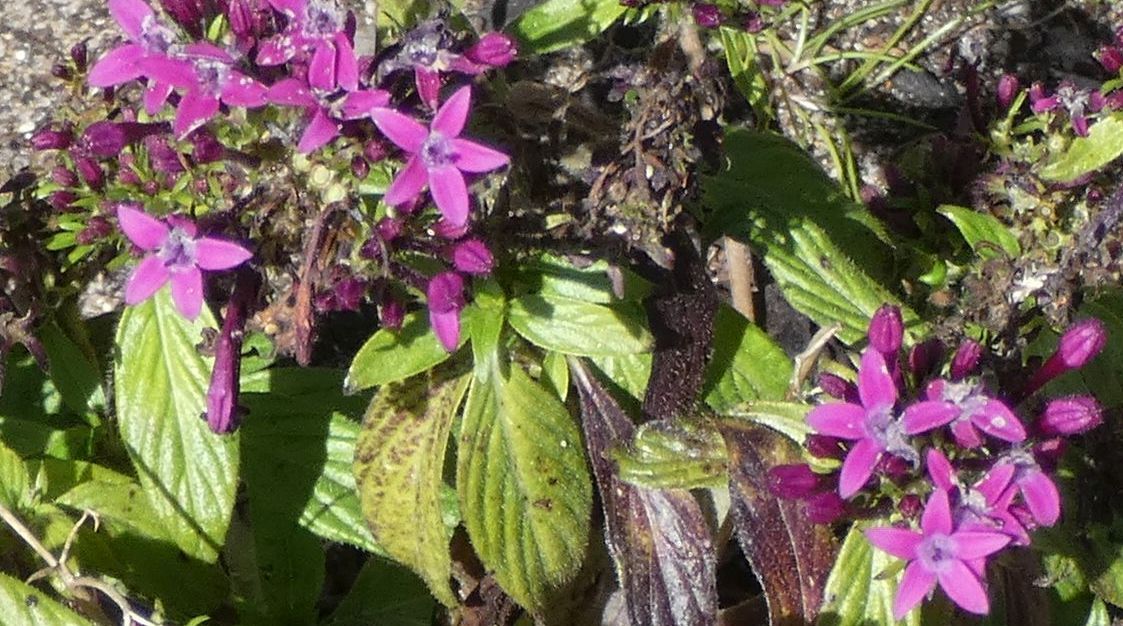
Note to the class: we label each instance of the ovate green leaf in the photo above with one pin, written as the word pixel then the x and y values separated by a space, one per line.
pixel 392 355
pixel 76 377
pixel 787 418
pixel 525 492
pixel 746 364
pixel 399 460
pixel 25 605
pixel 556 24
pixel 1103 145
pixel 581 328
pixel 857 592
pixel 189 473
pixel 984 233
pixel 13 479
pixel 682 455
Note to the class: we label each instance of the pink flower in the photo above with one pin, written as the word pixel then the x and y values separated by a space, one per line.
pixel 1038 490
pixel 425 50
pixel 323 113
pixel 873 424
pixel 207 74
pixel 148 38
pixel 176 254
pixel 446 297
pixel 939 554
pixel 967 409
pixel 985 505
pixel 438 156
pixel 318 27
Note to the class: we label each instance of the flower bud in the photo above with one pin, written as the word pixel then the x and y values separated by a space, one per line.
pixel 825 507
pixel 887 330
pixel 910 506
pixel 187 13
pixel 392 313
pixel 164 158
pixel 49 139
pixel 359 167
pixel 445 294
pixel 61 72
pixel 471 256
pixel 1070 416
pixel 924 356
pixel 752 22
pixel 792 482
pixel 105 139
pixel 79 54
pixel 90 172
pixel 223 414
pixel 97 228
pixel 64 176
pixel 836 386
pixel 205 147
pixel 128 176
pixel 447 230
pixel 375 150
pixel 966 359
pixel 61 200
pixel 1082 342
pixel 1110 57
pixel 707 15
pixel 825 447
pixel 493 50
pixel 1008 87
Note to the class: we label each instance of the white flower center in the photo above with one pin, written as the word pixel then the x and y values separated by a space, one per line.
pixel 177 251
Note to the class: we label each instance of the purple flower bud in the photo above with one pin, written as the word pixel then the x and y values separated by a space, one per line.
pixel 375 150
pixel 128 176
pixel 61 200
pixel 825 507
pixel 187 13
pixel 223 414
pixel 359 167
pixel 887 330
pixel 966 359
pixel 79 54
pixel 48 139
pixel 446 297
pixel 164 158
pixel 1110 57
pixel 836 386
pixel 752 22
pixel 1008 87
pixel 97 228
pixel 447 230
pixel 893 467
pixel 910 506
pixel 61 72
pixel 389 229
pixel 792 482
pixel 243 19
pixel 205 147
pixel 105 139
pixel 825 447
pixel 391 313
pixel 1040 101
pixel 64 176
pixel 151 187
pixel 707 15
pixel 471 256
pixel 1082 342
pixel 924 356
pixel 90 172
pixel 493 50
pixel 1070 416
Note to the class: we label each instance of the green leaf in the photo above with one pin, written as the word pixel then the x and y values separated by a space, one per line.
pixel 393 355
pixel 525 492
pixel 580 328
pixel 552 275
pixel 25 605
pixel 630 372
pixel 556 24
pixel 399 461
pixel 683 455
pixel 555 374
pixel 857 592
pixel 1103 145
pixel 301 440
pixel 189 473
pixel 14 482
pixel 746 365
pixel 75 376
pixel 385 593
pixel 741 57
pixel 786 418
pixel 983 232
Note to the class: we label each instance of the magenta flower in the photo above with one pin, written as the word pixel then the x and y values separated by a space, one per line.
pixel 438 156
pixel 1078 103
pixel 873 425
pixel 446 297
pixel 1038 490
pixel 939 553
pixel 324 114
pixel 176 254
pixel 318 27
pixel 492 50
pixel 148 38
pixel 967 409
pixel 425 50
pixel 985 505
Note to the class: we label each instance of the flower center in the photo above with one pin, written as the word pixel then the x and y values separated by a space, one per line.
pixel 936 552
pixel 212 75
pixel 967 396
pixel 322 20
pixel 155 37
pixel 884 428
pixel 178 250
pixel 437 151
pixel 1072 99
pixel 1024 464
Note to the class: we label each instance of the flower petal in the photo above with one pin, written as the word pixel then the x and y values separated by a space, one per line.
pixel 977 544
pixel 168 70
pixel 937 514
pixel 291 8
pixel 838 419
pixel 207 50
pixel 999 421
pixel 900 542
pixel 156 96
pixel 242 91
pixel 146 280
pixel 450 194
pixel 407 184
pixel 130 14
pixel 428 84
pixel 194 110
pixel 858 467
pixel 915 584
pixel 964 588
pixel 402 129
pixel 359 103
pixel 875 384
pixel 321 69
pixel 141 228
pixel 995 482
pixel 187 291
pixel 219 254
pixel 474 158
pixel 117 66
pixel 450 118
pixel 925 415
pixel 275 50
pixel 966 435
pixel 320 130
pixel 291 92
pixel 447 327
pixel 940 470
pixel 1041 497
pixel 346 65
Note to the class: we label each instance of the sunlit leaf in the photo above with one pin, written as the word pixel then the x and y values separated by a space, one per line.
pixel 987 236
pixel 580 328
pixel 788 418
pixel 746 364
pixel 77 379
pixel 682 455
pixel 13 479
pixel 188 472
pixel 393 355
pixel 25 605
pixel 1103 145
pixel 557 24
pixel 858 591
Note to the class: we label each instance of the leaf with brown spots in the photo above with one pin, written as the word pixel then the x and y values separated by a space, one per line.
pixel 658 538
pixel 399 459
pixel 791 556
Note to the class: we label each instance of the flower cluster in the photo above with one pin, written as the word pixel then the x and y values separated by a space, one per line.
pixel 906 432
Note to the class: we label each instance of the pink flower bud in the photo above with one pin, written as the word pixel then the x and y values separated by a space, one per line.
pixel 1082 342
pixel 1008 87
pixel 447 230
pixel 792 482
pixel 392 313
pixel 1110 57
pixel 966 359
pixel 707 15
pixel 64 176
pixel 48 139
pixel 105 139
pixel 359 167
pixel 836 386
pixel 887 330
pixel 910 506
pixel 79 54
pixel 375 150
pixel 493 50
pixel 471 256
pixel 752 22
pixel 164 158
pixel 446 297
pixel 61 200
pixel 90 172
pixel 825 507
pixel 825 447
pixel 97 228
pixel 223 413
pixel 205 147
pixel 1070 416
pixel 187 13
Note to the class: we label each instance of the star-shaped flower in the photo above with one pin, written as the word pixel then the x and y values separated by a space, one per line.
pixel 438 156
pixel 176 254
pixel 148 39
pixel 324 113
pixel 318 27
pixel 968 409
